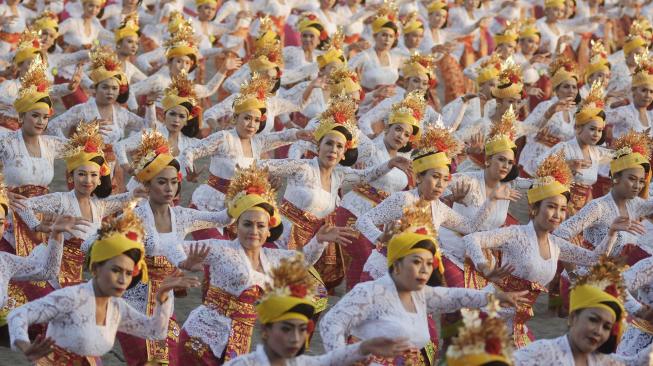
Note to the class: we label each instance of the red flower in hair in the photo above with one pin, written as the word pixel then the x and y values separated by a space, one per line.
pixel 323 35
pixel 179 176
pixel 600 104
pixel 514 78
pixel 110 65
pixel 354 78
pixel 559 177
pixel 349 145
pixel 310 327
pixel 123 89
pixel 569 67
pixel 41 87
pixel 482 315
pixel 36 43
pixel 195 112
pixel 391 17
pixel 273 57
pixel 638 149
pixel 417 114
pixel 104 170
pixel 311 17
pixel 131 235
pixel 183 93
pixel 432 83
pixel 441 146
pixel 90 147
pixel 255 190
pixel 136 270
pixel 612 290
pixel 279 73
pixel 263 118
pixel 162 150
pixel 298 290
pixel 650 70
pixel 339 117
pixel 260 94
pixel 273 221
pixel 421 231
pixel 493 346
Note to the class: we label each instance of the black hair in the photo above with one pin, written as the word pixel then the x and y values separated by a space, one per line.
pixel 409 145
pixel 436 278
pixel 103 190
pixel 610 345
pixel 45 100
pixel 277 84
pixel 134 254
pixel 5 208
pixel 101 13
pixel 304 309
pixel 175 164
pixel 192 127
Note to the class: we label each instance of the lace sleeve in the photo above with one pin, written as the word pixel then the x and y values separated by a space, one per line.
pixel 345 315
pixel 233 82
pixel 378 113
pixel 285 168
pixel 385 212
pixel 639 275
pixel 289 101
pixel 299 148
pixel 533 354
pixel 125 146
pixel 536 117
pixel 493 239
pixel 221 109
pixel 55 145
pixel 313 251
pixel 354 176
pixel 134 122
pixel 273 140
pixel 115 203
pixel 202 148
pixel 347 355
pixel 61 124
pixel 631 304
pixel 41 264
pixel 461 224
pixel 190 220
pixel 583 219
pixel 65 59
pixel 571 253
pixel 48 203
pixel 205 91
pixel 40 311
pixel 136 323
pixel 441 300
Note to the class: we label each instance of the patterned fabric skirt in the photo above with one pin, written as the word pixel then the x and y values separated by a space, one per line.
pixel 135 349
pixel 357 252
pixel 63 357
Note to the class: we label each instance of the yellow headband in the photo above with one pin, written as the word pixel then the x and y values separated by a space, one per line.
pixel 629 161
pixel 250 202
pixel 476 360
pixel 554 3
pixel 401 245
pixel 182 50
pixel 101 2
pixel 499 144
pixel 84 158
pixel 150 171
pixel 413 26
pixel 505 38
pixel 46 23
pixel 266 38
pixel 405 117
pixel 642 78
pixel 513 91
pixel 415 69
pixel 530 31
pixel 436 6
pixel 30 102
pixel 261 64
pixel 249 104
pixel 561 76
pixel 486 74
pixel 437 160
pixel 307 24
pixel 332 55
pixel 633 44
pixel 586 115
pixel 587 296
pixel 115 245
pixel 101 74
pixel 543 192
pixel 122 33
pixel 172 100
pixel 601 65
pixel 321 132
pixel 26 54
pixel 277 308
pixel 199 3
pixel 379 24
pixel 347 86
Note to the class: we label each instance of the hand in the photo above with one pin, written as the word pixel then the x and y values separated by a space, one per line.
pixel 175 282
pixel 141 192
pixel 230 63
pixel 127 168
pixel 620 103
pixel 384 92
pixel 459 191
pixel 385 347
pixel 41 347
pixel 560 106
pixel 195 258
pixel 46 224
pixel 402 164
pixel 16 201
pixel 512 299
pixel 318 83
pixel 476 145
pixel 77 77
pixel 504 192
pixel 69 224
pixel 579 164
pixel 336 234
pixel 495 274
pixel 623 223
pixel 192 175
pixel 305 135
pixel 388 231
pixel 646 313
pixel 467 97
pixel 536 92
pixel 153 96
pixel 541 58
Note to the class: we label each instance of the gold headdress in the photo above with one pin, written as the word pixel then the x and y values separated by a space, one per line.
pixel 490 69
pixel 643 74
pixel 554 3
pixel 151 156
pixel 339 117
pixel 83 146
pixel 46 20
pixel 182 90
pixel 553 177
pixel 34 88
pixel 105 65
pixel 334 50
pixel 502 134
pixel 199 3
pixel 600 288
pixel 510 34
pixel 386 17
pixel 592 106
pixel 251 189
pixel 118 235
pixel 435 149
pixel 483 338
pixel 437 5
pixel 266 33
pixel 289 296
pixel 128 28
pixel 563 69
pixel 418 65
pixel 632 150
pixel 409 111
pixel 599 59
pixel 415 226
pixel 343 80
pixel 253 95
pixel 412 23
pixel 529 29
pixel 310 23
pixel 29 46
pixel 510 81
pixel 182 42
pixel 176 19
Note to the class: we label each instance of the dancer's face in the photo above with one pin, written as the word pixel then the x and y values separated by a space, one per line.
pixel 48 36
pixel 179 64
pixel 590 328
pixel 128 46
pixel 176 118
pixel 437 19
pixel 206 12
pixel 106 91
pixel 397 135
pixel 500 164
pixel 86 178
pixel 114 276
pixel 420 82
pixel 385 39
pixel 414 39
pixel 411 273
pixel 35 122
pixel 248 123
pixel 551 212
pixel 253 229
pixel 432 183
pixel 285 338
pixel 602 76
pixel 629 183
pixel 529 45
pixel 332 149
pixel 643 96
pixel 567 89
pixel 92 8
pixel 163 187
pixel 591 132
pixel 3 219
pixel 309 40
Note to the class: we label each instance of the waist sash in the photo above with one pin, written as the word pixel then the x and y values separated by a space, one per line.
pixel 219 184
pixel 523 312
pixel 72 263
pixel 371 193
pixel 24 238
pixel 63 357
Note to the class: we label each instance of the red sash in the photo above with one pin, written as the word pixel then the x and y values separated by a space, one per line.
pixel 371 193
pixel 25 239
pixel 219 184
pixel 63 357
pixel 72 263
pixel 523 312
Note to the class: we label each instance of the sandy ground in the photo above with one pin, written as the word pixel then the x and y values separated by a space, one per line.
pixel 544 325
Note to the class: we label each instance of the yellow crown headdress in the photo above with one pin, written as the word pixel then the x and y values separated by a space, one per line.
pixel 435 149
pixel 249 189
pixel 641 27
pixel 553 177
pixel 83 146
pixel 643 74
pixel 29 46
pixel 333 51
pixel 253 94
pixel 128 28
pixel 46 20
pixel 591 107
pixel 151 156
pixel 266 33
pixel 175 19
pixel 385 15
pixel 554 3
pixel 563 69
pixel 482 339
pixel 343 80
pixel 118 235
pixel 409 111
pixel 266 57
pixel 510 34
pixel 632 149
pixel 105 65
pixel 502 134
pixel 418 65
pixel 529 29
pixel 310 23
pixel 489 69
pixel 437 5
pixel 600 287
pixel 182 42
pixel 598 60
pixel 340 117
pixel 34 88
pixel 510 80
pixel 182 90
pixel 412 23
